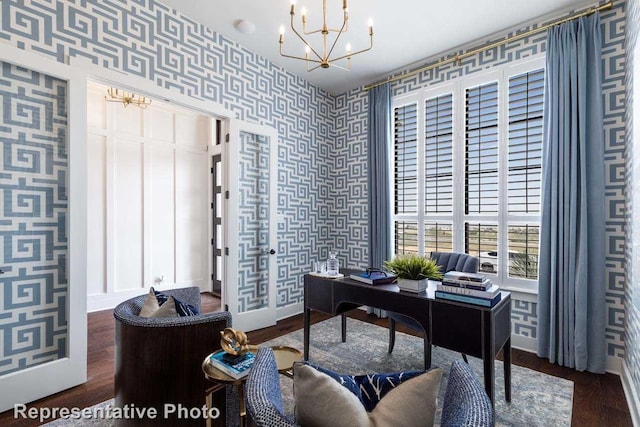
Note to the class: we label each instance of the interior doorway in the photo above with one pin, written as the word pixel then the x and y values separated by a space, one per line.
pixel 149 197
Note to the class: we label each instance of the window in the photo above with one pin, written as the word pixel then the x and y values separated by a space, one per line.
pixel 467 168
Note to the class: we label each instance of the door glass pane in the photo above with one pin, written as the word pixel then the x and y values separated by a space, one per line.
pixel 254 248
pixel 33 221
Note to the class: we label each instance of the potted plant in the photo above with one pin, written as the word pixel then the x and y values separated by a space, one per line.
pixel 413 271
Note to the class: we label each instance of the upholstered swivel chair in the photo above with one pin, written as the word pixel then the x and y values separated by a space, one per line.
pixel 466 403
pixel 158 360
pixel 263 396
pixel 448 261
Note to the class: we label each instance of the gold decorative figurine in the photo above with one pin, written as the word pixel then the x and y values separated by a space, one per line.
pixel 235 342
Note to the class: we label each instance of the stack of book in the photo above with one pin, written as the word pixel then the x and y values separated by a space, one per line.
pixel 374 277
pixel 472 288
pixel 234 366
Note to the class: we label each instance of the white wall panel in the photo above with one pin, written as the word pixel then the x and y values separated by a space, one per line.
pixel 96 215
pixel 128 232
pixel 191 218
pixel 148 199
pixel 162 124
pixel 161 215
pixel 127 119
pixel 192 131
pixel 96 111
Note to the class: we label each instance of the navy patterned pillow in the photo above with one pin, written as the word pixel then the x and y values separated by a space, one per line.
pixel 369 389
pixel 182 308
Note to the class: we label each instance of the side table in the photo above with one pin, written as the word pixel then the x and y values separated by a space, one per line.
pixel 285 358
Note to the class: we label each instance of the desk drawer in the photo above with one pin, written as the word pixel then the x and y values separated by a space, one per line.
pixel 457 328
pixel 318 294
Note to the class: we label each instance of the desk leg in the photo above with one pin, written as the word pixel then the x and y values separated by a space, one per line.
pixel 489 376
pixel 344 327
pixel 307 327
pixel 427 354
pixel 506 351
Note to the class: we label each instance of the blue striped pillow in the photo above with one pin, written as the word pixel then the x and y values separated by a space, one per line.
pixel 182 308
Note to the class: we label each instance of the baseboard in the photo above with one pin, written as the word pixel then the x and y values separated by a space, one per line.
pixel 523 343
pixel 613 365
pixel 633 400
pixel 289 310
pixel 108 301
pixel 100 302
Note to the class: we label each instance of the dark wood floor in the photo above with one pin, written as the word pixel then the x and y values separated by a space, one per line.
pixel 598 400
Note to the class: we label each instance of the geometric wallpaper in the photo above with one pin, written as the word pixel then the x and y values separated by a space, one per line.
pixel 632 156
pixel 33 218
pixel 351 171
pixel 148 39
pixel 322 168
pixel 253 217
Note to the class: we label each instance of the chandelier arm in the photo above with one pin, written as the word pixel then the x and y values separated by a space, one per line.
pixel 298 57
pixel 354 53
pixel 303 40
pixel 333 64
pixel 314 68
pixel 335 41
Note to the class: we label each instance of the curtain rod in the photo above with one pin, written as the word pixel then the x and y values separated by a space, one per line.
pixel 460 57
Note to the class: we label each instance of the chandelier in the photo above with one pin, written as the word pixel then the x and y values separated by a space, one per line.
pixel 126 98
pixel 322 56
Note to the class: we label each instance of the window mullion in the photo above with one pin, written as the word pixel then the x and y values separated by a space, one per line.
pixel 458 168
pixel 421 174
pixel 503 170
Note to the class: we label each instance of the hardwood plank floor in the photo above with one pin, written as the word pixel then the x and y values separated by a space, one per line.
pixel 598 399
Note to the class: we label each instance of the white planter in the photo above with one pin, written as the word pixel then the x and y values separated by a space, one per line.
pixel 413 285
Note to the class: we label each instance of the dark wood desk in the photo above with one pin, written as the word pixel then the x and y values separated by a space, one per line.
pixel 466 328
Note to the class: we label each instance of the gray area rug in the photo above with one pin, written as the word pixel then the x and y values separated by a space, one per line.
pixel 536 399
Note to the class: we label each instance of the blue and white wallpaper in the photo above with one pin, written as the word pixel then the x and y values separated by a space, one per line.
pixel 322 187
pixel 253 268
pixel 351 171
pixel 149 39
pixel 33 218
pixel 632 155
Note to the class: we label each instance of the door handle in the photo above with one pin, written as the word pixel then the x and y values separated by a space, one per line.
pixel 265 251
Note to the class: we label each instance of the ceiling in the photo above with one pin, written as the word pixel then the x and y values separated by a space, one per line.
pixel 405 32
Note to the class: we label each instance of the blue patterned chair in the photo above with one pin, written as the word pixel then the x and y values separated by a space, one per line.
pixel 158 360
pixel 262 392
pixel 465 403
pixel 448 261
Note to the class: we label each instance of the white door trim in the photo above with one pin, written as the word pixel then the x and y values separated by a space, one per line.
pixel 36 382
pixel 267 316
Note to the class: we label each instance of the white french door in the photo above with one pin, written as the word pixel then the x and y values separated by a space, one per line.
pixel 251 273
pixel 43 329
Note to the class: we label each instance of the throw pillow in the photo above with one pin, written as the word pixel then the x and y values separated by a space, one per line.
pixel 369 389
pixel 320 400
pixel 168 309
pixel 150 305
pixel 182 308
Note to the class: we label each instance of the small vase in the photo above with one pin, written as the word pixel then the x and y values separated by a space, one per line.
pixel 413 285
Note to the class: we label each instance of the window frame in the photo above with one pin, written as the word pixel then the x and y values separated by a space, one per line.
pixel 457 87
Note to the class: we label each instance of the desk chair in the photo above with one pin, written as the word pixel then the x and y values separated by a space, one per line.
pixel 448 261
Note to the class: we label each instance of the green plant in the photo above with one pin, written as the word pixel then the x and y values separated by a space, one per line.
pixel 413 267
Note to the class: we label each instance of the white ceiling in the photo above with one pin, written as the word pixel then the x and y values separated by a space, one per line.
pixel 405 32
